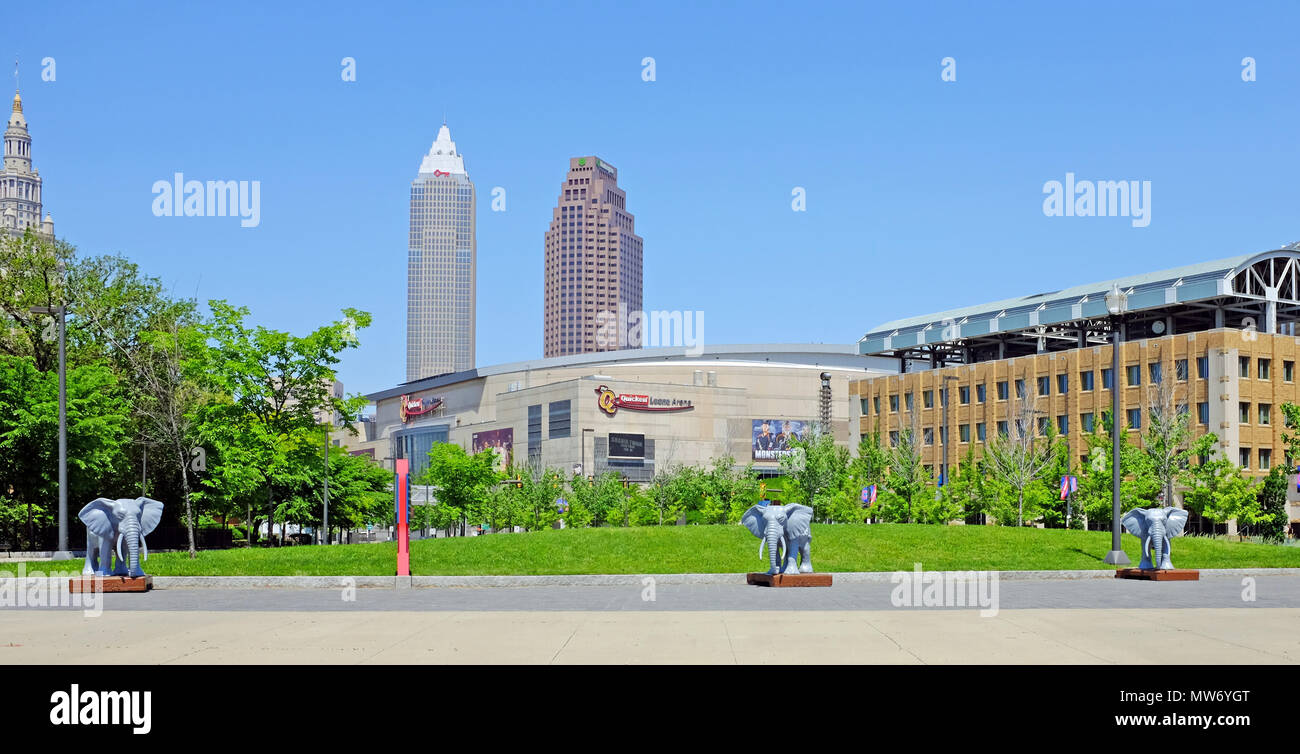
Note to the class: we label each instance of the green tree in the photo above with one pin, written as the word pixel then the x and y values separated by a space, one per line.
pixel 267 387
pixel 1015 458
pixel 1215 488
pixel 908 478
pixel 461 481
pixel 969 490
pixel 819 469
pixel 1272 519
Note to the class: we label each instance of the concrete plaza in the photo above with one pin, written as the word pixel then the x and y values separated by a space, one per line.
pixel 1097 621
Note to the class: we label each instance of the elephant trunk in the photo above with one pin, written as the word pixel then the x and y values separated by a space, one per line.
pixel 131 533
pixel 1158 544
pixel 773 535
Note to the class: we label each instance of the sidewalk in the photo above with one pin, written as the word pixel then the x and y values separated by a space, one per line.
pixel 1177 636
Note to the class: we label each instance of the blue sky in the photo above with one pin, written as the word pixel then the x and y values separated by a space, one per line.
pixel 921 194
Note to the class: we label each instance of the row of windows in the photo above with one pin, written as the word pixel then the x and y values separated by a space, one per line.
pixel 1132 377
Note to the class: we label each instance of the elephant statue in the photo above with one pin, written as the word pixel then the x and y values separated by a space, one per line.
pixel 110 524
pixel 786 526
pixel 1155 527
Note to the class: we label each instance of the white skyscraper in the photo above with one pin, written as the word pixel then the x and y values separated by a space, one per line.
pixel 441 265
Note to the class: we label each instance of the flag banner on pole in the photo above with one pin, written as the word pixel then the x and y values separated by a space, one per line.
pixel 1065 486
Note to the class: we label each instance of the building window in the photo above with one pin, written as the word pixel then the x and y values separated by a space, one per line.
pixel 1063 384
pixel 1263 368
pixel 1042 426
pixel 1044 385
pixel 908 400
pixel 980 432
pixel 1085 380
pixel 1243 367
pixel 963 395
pixel 1203 413
pixel 979 392
pixel 1243 413
pixel 927 398
pixel 1265 459
pixel 1180 370
pixel 1085 420
pixel 893 403
pixel 558 416
pixel 866 406
pixel 1002 428
pixel 927 436
pixel 1134 376
pixel 535 433
pixel 1245 458
pixel 1107 379
pixel 1135 418
pixel 1063 424
pixel 1157 372
pixel 1288 371
pixel 893 439
pixel 1002 390
pixel 964 431
pixel 1020 388
pixel 875 404
pixel 1265 413
pixel 1203 367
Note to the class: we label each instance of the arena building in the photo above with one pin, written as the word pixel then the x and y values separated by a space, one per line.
pixel 1221 336
pixel 633 412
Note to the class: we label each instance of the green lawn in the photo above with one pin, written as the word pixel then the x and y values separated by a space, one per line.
pixel 713 549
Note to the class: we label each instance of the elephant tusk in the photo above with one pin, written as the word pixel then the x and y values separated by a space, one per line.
pixel 761 541
pixel 144 549
pixel 118 546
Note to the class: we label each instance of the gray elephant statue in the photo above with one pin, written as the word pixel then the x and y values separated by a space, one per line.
pixel 1155 527
pixel 112 524
pixel 788 527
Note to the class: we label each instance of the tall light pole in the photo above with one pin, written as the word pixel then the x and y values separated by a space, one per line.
pixel 1116 303
pixel 61 312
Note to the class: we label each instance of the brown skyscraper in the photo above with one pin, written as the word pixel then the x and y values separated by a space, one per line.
pixel 593 265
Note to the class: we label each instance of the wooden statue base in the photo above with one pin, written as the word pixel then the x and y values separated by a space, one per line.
pixel 1151 574
pixel 87 584
pixel 788 579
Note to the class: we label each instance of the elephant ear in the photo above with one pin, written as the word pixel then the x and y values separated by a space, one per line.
pixel 1175 520
pixel 754 521
pixel 798 521
pixel 1136 522
pixel 150 514
pixel 98 517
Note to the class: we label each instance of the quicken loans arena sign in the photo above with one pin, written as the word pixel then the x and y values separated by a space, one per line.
pixel 610 402
pixel 416 406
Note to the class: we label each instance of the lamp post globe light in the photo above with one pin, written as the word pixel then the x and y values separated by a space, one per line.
pixel 1116 304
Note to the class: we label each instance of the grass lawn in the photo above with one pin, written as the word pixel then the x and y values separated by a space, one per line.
pixel 712 549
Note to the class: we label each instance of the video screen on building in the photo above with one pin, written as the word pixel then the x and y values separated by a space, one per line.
pixel 500 440
pixel 773 438
pixel 626 446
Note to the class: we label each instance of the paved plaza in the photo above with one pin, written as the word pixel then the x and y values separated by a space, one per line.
pixel 1050 621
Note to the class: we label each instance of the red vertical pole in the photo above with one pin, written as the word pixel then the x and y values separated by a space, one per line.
pixel 403 519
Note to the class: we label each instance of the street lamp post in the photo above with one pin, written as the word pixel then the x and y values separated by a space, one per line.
pixel 1116 303
pixel 62 313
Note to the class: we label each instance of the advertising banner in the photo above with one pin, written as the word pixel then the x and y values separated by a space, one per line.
pixel 772 438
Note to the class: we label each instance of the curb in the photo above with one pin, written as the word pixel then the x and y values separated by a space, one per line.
pixel 662 579
pixel 665 579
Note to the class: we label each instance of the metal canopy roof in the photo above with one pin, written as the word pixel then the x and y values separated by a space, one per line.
pixel 1184 298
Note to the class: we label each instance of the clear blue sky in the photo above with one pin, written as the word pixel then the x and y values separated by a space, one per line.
pixel 921 194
